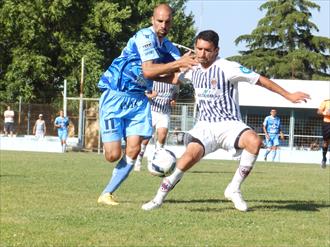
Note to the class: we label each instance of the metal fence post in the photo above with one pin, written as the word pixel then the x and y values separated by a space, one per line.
pixel 291 130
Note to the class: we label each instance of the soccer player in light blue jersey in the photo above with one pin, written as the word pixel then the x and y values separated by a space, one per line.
pixel 124 107
pixel 62 123
pixel 273 132
pixel 219 123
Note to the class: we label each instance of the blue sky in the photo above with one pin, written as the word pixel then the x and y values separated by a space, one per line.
pixel 232 18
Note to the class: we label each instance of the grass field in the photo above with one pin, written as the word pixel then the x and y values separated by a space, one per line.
pixel 50 200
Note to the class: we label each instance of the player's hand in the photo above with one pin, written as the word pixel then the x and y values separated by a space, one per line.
pixel 151 94
pixel 187 61
pixel 282 136
pixel 173 102
pixel 298 97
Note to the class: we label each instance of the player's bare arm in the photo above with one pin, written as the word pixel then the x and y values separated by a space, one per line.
pixel 296 97
pixel 153 70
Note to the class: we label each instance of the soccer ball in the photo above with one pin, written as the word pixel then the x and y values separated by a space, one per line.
pixel 162 163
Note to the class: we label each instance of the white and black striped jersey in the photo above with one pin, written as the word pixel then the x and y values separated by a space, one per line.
pixel 165 93
pixel 216 89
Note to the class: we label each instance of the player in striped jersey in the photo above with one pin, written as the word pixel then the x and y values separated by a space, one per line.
pixel 219 122
pixel 124 108
pixel 163 98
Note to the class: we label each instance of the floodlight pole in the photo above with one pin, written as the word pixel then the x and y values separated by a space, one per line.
pixel 80 126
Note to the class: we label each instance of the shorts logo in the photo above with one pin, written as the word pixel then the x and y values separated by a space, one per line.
pixel 245 70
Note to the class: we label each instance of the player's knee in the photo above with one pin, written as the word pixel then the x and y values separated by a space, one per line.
pixel 112 156
pixel 254 144
pixel 133 151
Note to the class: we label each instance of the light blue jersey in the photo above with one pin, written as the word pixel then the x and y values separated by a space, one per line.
pixel 125 73
pixel 63 130
pixel 272 124
pixel 124 108
pixel 273 128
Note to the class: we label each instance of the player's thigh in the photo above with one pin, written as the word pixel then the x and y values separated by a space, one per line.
pixel 64 135
pixel 193 153
pixel 276 141
pixel 250 141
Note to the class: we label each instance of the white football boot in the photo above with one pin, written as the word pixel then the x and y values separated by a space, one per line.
pixel 150 205
pixel 236 197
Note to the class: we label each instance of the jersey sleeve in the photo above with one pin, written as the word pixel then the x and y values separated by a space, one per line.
pixel 265 122
pixel 146 45
pixel 236 72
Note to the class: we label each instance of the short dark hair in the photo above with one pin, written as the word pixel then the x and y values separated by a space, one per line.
pixel 210 36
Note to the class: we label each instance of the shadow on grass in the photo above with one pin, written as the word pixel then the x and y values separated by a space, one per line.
pixel 12 175
pixel 210 172
pixel 295 205
pixel 268 205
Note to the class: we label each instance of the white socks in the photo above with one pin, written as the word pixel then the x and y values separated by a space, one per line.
pixel 167 185
pixel 245 166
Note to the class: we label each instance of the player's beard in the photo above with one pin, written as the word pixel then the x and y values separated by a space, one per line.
pixel 162 33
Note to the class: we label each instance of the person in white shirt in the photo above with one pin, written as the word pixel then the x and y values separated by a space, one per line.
pixel 219 124
pixel 39 129
pixel 9 121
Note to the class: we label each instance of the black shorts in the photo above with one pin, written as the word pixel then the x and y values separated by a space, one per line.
pixel 9 127
pixel 326 131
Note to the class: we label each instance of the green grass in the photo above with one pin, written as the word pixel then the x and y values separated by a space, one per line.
pixel 50 200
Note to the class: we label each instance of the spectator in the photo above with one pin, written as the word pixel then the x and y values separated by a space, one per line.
pixel 324 110
pixel 9 121
pixel 314 146
pixel 39 129
pixel 178 136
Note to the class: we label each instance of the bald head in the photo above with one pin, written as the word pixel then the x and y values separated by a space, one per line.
pixel 162 20
pixel 163 7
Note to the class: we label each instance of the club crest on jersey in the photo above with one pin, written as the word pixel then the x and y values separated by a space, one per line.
pixel 214 83
pixel 245 70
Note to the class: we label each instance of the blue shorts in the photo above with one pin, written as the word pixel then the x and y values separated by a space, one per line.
pixel 274 140
pixel 124 114
pixel 62 134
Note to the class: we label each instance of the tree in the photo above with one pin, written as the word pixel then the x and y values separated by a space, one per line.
pixel 42 42
pixel 283 46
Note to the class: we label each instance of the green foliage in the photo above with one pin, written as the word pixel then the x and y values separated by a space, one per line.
pixel 282 45
pixel 42 43
pixel 50 199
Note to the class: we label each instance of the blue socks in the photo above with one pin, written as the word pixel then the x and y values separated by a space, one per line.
pixel 119 174
pixel 274 154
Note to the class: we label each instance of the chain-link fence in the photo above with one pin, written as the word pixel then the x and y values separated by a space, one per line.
pixel 302 127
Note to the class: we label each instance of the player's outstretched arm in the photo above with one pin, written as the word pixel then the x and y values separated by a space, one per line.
pixel 296 97
pixel 153 70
